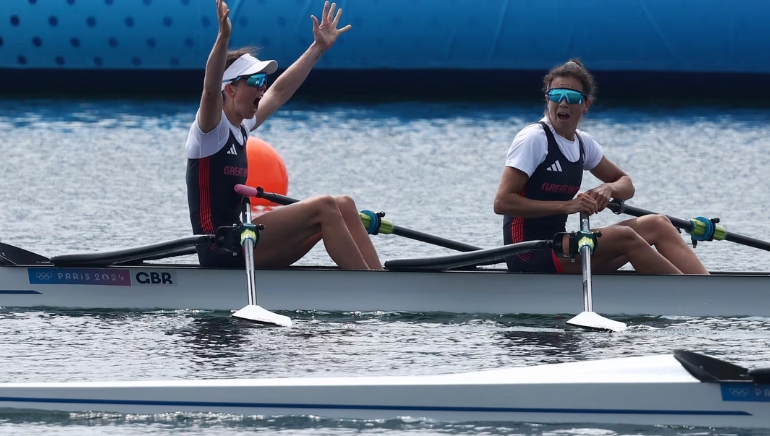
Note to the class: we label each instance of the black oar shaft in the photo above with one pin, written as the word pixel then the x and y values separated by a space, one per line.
pixel 747 240
pixel 400 231
pixel 435 240
pixel 638 212
pixel 686 225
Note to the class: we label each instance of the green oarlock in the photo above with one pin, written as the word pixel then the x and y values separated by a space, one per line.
pixel 386 226
pixel 698 228
pixel 719 233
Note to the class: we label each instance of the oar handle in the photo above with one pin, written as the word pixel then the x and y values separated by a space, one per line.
pixel 248 191
pixel 386 226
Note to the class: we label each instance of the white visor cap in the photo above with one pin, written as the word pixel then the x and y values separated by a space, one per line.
pixel 247 65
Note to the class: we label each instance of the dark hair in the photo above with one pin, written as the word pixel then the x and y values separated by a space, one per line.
pixel 575 69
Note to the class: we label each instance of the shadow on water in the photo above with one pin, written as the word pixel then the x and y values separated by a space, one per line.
pixel 214 336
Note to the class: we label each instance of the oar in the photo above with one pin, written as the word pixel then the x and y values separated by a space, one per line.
pixel 587 243
pixel 700 228
pixel 385 226
pixel 254 312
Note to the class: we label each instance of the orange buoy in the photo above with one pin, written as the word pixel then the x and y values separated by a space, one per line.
pixel 266 169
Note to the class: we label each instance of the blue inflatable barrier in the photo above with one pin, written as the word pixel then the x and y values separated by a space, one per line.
pixel 727 37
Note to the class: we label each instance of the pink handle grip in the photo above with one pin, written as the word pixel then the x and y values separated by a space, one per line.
pixel 246 191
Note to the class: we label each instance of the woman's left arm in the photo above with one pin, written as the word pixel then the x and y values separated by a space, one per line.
pixel 616 184
pixel 286 85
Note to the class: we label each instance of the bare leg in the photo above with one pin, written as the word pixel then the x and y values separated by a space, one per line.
pixel 288 229
pixel 298 254
pixel 657 230
pixel 613 266
pixel 618 241
pixel 353 220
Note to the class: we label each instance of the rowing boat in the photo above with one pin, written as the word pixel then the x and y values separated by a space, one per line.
pixel 30 280
pixel 463 283
pixel 683 388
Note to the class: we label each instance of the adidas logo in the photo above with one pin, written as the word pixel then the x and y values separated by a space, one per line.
pixel 555 167
pixel 232 150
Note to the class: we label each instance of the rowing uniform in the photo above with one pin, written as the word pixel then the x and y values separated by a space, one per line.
pixel 554 166
pixel 216 162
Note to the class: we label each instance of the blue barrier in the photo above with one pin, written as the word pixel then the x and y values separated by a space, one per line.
pixel 704 36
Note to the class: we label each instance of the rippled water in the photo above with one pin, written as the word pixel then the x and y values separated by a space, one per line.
pixel 81 176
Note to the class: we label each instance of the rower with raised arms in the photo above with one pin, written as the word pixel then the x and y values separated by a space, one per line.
pixel 235 101
pixel 543 173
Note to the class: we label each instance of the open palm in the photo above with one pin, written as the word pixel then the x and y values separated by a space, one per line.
pixel 223 16
pixel 326 32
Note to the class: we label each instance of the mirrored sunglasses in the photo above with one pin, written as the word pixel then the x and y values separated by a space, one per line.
pixel 556 95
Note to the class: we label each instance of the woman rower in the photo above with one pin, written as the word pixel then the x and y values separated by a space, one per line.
pixel 235 101
pixel 543 172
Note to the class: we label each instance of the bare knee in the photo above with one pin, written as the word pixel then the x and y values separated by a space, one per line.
pixel 658 226
pixel 346 204
pixel 628 240
pixel 664 225
pixel 323 206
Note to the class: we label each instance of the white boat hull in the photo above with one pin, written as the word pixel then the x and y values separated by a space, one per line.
pixel 641 390
pixel 329 289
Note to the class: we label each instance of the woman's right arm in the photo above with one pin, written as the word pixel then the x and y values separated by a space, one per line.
pixel 509 202
pixel 210 112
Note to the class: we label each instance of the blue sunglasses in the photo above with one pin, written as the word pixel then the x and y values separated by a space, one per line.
pixel 556 95
pixel 255 80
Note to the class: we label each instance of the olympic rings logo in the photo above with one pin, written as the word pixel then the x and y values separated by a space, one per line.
pixel 44 276
pixel 739 392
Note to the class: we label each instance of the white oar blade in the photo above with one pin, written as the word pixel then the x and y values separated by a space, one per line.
pixel 257 314
pixel 594 321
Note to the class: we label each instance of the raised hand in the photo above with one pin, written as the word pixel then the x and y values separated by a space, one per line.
pixel 326 32
pixel 223 16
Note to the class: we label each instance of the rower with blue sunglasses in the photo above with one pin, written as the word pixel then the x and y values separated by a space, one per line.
pixel 542 177
pixel 235 101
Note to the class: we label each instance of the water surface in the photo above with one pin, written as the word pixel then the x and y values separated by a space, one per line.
pixel 95 175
